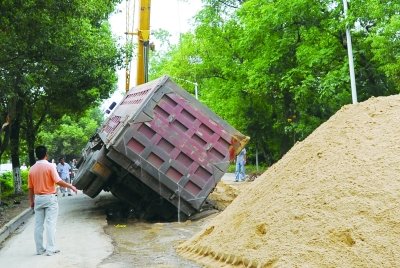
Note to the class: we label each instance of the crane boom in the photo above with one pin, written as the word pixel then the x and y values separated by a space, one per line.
pixel 143 42
pixel 143 35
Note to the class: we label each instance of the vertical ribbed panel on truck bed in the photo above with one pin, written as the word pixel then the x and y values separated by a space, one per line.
pixel 179 147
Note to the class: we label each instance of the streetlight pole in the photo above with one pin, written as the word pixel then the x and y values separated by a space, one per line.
pixel 196 85
pixel 195 90
pixel 350 55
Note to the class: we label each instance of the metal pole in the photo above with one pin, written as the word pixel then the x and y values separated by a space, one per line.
pixel 195 90
pixel 196 85
pixel 256 159
pixel 350 55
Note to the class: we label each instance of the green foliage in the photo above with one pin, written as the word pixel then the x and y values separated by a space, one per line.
pixel 56 58
pixel 276 70
pixel 250 169
pixel 68 136
pixel 7 184
pixel 60 51
pixel 24 176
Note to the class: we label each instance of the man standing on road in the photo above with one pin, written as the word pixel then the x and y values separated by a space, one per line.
pixel 240 172
pixel 73 169
pixel 64 170
pixel 42 196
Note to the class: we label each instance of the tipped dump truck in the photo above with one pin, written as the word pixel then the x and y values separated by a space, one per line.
pixel 160 150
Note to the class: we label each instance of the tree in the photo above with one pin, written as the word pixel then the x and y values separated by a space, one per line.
pixel 56 58
pixel 67 136
pixel 277 69
pixel 4 135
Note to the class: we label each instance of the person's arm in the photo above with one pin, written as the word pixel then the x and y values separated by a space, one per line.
pixel 31 197
pixel 67 185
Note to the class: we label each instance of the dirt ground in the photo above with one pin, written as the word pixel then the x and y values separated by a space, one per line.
pixel 12 207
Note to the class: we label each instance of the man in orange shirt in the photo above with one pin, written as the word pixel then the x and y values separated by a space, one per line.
pixel 42 196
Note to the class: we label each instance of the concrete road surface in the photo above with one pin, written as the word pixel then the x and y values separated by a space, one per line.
pixel 80 237
pixel 83 242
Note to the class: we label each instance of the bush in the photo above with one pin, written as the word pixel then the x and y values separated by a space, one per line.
pixel 7 184
pixel 24 178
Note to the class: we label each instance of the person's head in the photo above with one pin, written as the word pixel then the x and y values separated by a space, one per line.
pixel 61 160
pixel 41 152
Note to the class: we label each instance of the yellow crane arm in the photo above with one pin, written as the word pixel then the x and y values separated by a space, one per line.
pixel 143 42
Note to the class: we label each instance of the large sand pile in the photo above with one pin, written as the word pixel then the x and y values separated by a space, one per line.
pixel 331 201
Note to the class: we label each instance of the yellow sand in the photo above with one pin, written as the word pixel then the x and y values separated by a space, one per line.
pixel 225 193
pixel 331 201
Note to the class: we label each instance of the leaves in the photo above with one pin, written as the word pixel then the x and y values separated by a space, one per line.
pixel 277 69
pixel 67 136
pixel 56 58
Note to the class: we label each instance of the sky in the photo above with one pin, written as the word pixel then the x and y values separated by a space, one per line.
pixel 175 16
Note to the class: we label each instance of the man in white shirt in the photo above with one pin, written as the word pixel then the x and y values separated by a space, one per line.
pixel 240 172
pixel 64 170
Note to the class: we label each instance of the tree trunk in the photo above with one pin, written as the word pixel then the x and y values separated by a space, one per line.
pixel 17 180
pixel 4 135
pixel 31 154
pixel 4 138
pixel 31 130
pixel 16 115
pixel 30 139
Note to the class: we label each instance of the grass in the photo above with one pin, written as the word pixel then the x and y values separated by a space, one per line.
pixel 250 169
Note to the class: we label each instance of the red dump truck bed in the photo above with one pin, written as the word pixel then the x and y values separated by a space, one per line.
pixel 159 145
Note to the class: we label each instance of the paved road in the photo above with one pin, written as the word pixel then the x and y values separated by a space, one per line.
pixel 79 236
pixel 83 242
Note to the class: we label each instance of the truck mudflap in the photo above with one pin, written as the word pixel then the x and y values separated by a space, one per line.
pixel 159 142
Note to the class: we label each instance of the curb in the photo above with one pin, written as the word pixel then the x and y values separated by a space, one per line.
pixel 13 225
